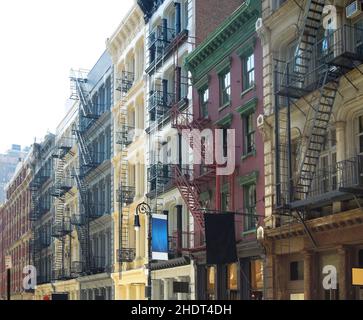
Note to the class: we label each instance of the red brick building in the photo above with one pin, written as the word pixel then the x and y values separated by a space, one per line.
pixel 15 231
pixel 228 94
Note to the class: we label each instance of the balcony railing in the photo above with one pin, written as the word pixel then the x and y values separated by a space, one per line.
pixel 97 210
pixel 126 255
pixel 61 274
pixel 62 186
pixel 61 229
pixel 126 194
pixel 160 105
pixel 183 241
pixel 342 48
pixel 334 182
pixel 126 82
pixel 160 176
pixel 160 43
pixel 99 265
pixel 126 136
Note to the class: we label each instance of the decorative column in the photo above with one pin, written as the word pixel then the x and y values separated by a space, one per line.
pixel 346 291
pixel 167 289
pixel 340 136
pixel 310 280
pixel 128 292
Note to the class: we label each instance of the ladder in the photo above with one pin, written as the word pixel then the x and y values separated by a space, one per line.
pixel 317 132
pixel 309 24
pixel 81 223
pixel 190 193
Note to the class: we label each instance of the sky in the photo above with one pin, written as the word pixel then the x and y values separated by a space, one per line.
pixel 41 41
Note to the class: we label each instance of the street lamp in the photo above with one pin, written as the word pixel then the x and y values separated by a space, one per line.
pixel 144 208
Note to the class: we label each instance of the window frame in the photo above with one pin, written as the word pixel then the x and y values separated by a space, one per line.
pixel 360 135
pixel 225 90
pixel 203 104
pixel 249 132
pixel 246 72
pixel 249 220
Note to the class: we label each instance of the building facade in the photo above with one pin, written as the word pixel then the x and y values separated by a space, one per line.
pixel 173 30
pixel 8 163
pixel 228 95
pixel 82 184
pixel 15 230
pixel 126 47
pixel 312 128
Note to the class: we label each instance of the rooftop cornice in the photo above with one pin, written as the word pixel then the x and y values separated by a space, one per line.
pixel 245 14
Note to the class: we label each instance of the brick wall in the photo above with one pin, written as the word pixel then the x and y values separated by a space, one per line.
pixel 210 14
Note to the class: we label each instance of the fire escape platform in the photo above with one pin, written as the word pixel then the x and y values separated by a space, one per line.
pixel 342 194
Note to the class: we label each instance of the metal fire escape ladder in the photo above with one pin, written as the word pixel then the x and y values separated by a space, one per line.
pixel 78 81
pixel 308 35
pixel 59 225
pixel 317 134
pixel 126 253
pixel 84 152
pixel 190 193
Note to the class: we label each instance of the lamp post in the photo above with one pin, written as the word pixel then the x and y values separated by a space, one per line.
pixel 144 208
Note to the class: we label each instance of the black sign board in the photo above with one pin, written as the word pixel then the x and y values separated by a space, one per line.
pixel 181 287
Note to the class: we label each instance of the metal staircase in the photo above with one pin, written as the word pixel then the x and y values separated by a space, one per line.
pixel 81 223
pixel 80 92
pixel 317 134
pixel 190 193
pixel 61 226
pixel 309 24
pixel 125 198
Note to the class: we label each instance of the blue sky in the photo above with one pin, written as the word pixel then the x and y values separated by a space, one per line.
pixel 41 41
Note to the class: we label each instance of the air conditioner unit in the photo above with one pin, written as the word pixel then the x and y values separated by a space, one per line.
pixel 354 9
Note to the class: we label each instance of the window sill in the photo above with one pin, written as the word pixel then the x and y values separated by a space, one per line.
pixel 248 155
pixel 226 105
pixel 247 233
pixel 253 88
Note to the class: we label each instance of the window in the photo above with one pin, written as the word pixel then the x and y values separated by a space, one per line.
pixel 225 199
pixel 249 72
pixel 204 100
pixel 360 135
pixel 326 174
pixel 211 283
pixel 225 84
pixel 232 281
pixel 297 270
pixel 360 259
pixel 225 142
pixel 250 207
pixel 249 133
pixel 257 285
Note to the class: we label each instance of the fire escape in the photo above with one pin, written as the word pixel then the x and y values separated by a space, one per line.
pixel 88 114
pixel 34 216
pixel 164 42
pixel 89 160
pixel 61 224
pixel 125 193
pixel 317 66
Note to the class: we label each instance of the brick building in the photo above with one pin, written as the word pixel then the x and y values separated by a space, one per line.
pixel 15 230
pixel 228 94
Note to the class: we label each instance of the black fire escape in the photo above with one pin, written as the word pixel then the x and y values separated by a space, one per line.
pixel 90 111
pixel 61 224
pixel 318 65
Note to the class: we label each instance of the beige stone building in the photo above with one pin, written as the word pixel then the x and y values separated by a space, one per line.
pixel 313 133
pixel 126 47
